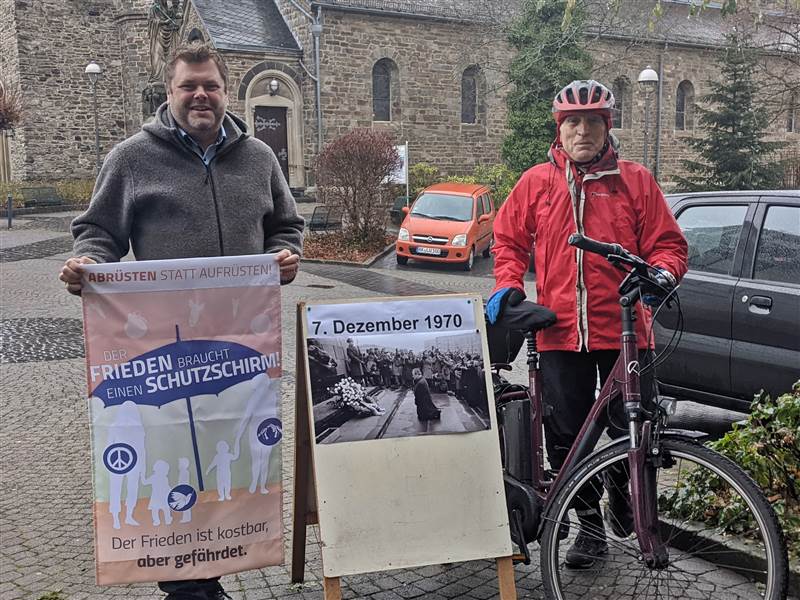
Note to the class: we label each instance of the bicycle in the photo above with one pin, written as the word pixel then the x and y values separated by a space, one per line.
pixel 668 552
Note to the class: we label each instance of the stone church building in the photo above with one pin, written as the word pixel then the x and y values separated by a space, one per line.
pixel 431 72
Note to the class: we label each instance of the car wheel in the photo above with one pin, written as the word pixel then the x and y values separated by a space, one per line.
pixel 470 260
pixel 488 250
pixel 402 260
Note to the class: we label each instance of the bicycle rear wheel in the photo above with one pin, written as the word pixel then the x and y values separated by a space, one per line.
pixel 722 535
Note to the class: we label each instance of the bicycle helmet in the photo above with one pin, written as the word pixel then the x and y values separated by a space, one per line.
pixel 583 95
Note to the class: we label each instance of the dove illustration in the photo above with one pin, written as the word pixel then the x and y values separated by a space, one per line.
pixel 178 501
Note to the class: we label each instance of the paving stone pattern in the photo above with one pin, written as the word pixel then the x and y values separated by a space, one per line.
pixel 35 250
pixel 39 339
pixel 46 535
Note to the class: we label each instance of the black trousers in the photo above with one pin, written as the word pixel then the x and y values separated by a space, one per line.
pixel 190 588
pixel 569 382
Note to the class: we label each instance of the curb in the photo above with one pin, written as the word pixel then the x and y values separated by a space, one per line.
pixel 342 263
pixel 735 555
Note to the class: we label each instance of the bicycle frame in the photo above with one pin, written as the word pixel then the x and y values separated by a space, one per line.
pixel 622 381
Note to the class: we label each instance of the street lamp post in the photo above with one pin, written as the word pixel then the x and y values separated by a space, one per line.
pixel 94 73
pixel 648 80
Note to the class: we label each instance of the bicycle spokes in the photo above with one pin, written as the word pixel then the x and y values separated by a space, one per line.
pixel 708 553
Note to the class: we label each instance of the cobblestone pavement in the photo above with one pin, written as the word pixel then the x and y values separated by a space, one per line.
pixel 45 474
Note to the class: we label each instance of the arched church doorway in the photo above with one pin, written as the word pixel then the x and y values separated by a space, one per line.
pixel 274 115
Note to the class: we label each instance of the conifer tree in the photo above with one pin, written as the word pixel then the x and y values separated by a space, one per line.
pixel 732 152
pixel 549 56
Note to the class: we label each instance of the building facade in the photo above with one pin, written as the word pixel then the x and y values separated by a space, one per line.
pixel 431 72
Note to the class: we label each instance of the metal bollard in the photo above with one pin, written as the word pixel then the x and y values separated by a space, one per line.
pixel 10 211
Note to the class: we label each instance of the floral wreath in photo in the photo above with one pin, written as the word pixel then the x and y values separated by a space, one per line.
pixel 350 395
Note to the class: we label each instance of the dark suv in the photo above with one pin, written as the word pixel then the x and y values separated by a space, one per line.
pixel 740 298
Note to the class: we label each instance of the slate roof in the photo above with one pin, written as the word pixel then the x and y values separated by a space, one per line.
pixel 457 10
pixel 632 21
pixel 246 25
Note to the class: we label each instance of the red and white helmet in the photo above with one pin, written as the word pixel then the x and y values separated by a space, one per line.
pixel 584 95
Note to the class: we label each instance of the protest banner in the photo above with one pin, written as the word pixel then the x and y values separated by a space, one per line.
pixel 397 453
pixel 183 368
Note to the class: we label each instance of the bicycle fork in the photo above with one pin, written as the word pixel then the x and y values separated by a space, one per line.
pixel 643 455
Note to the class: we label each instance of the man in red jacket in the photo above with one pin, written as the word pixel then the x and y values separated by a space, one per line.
pixel 583 188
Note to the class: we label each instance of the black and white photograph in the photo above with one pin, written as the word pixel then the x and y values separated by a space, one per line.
pixel 374 387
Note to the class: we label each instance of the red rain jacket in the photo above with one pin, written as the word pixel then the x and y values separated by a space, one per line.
pixel 615 201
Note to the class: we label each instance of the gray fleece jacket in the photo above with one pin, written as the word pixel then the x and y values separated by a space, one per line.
pixel 157 195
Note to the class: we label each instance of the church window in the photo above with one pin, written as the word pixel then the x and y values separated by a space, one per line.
pixel 684 106
pixel 469 94
pixel 620 90
pixel 382 90
pixel 196 36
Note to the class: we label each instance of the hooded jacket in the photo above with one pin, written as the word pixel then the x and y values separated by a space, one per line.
pixel 614 201
pixel 156 194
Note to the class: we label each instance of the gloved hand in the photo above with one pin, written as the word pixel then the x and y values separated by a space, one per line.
pixel 666 283
pixel 497 302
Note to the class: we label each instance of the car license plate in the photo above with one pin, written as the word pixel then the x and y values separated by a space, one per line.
pixel 433 251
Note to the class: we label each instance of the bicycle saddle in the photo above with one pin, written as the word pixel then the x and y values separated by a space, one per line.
pixel 526 316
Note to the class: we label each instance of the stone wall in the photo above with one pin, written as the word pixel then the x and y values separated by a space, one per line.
pixel 9 73
pixel 697 65
pixel 50 42
pixel 133 44
pixel 301 27
pixel 56 40
pixel 426 96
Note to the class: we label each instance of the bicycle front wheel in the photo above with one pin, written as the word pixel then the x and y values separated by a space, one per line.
pixel 723 538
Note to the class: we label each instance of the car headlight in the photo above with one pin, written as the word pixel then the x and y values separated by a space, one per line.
pixel 402 235
pixel 460 240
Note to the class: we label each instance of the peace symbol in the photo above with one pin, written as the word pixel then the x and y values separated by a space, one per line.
pixel 119 458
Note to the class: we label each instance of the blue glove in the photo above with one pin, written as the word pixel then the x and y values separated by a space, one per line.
pixel 666 283
pixel 497 302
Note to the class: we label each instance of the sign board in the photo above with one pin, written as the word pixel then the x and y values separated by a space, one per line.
pixel 403 434
pixel 183 364
pixel 400 175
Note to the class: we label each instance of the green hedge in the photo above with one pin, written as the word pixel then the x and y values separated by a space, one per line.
pixel 499 178
pixel 767 447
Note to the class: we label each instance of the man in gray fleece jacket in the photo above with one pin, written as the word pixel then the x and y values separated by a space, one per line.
pixel 192 183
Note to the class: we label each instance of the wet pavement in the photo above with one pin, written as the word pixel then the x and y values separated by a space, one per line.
pixel 45 475
pixel 45 479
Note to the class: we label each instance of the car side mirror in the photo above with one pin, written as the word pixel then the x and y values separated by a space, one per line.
pixel 483 218
pixel 405 210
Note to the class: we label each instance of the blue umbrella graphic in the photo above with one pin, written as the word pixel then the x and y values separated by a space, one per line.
pixel 166 357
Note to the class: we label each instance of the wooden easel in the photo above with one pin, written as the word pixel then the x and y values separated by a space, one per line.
pixel 304 502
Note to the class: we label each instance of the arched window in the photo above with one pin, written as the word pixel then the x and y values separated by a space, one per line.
pixel 620 90
pixel 469 94
pixel 195 35
pixel 382 90
pixel 684 106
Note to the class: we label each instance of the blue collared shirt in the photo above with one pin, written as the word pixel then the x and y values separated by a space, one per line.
pixel 211 151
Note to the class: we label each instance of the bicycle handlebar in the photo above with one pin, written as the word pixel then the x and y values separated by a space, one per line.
pixel 602 248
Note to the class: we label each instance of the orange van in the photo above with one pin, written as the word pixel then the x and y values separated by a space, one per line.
pixel 448 222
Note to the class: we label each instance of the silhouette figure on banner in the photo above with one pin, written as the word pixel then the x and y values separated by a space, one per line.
pixel 260 419
pixel 159 496
pixel 125 460
pixel 184 478
pixel 222 463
